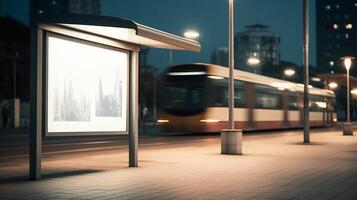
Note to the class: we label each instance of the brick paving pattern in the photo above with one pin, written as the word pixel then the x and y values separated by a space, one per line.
pixel 273 167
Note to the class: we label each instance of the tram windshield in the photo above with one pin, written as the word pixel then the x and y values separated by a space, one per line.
pixel 185 97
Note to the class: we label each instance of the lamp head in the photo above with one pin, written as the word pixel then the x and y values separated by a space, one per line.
pixel 191 34
pixel 289 72
pixel 253 61
pixel 333 85
pixel 347 61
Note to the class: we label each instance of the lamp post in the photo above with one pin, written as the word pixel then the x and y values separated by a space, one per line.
pixel 306 72
pixel 347 128
pixel 231 138
pixel 231 64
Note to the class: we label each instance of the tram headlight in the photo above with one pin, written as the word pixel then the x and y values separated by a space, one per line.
pixel 210 120
pixel 163 121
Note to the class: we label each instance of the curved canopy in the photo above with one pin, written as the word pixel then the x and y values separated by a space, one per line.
pixel 121 29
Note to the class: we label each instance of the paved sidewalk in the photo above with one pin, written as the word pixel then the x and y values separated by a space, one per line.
pixel 273 167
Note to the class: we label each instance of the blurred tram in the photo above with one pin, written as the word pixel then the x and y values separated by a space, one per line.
pixel 196 101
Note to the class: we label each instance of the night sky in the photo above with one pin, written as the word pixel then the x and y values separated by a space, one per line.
pixel 209 17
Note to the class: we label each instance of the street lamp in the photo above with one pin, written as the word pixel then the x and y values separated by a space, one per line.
pixel 253 61
pixel 333 85
pixel 231 139
pixel 190 34
pixel 354 92
pixel 306 72
pixel 289 72
pixel 348 130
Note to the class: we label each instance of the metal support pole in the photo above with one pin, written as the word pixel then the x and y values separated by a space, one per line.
pixel 133 109
pixel 231 65
pixel 348 96
pixel 306 72
pixel 36 102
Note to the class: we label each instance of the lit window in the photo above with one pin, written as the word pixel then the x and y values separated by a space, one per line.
pixel 328 7
pixel 348 26
pixel 53 2
pixel 332 63
pixel 356 4
pixel 337 6
pixel 347 36
pixel 335 26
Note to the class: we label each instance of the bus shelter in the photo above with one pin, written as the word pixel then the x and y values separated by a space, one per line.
pixel 85 75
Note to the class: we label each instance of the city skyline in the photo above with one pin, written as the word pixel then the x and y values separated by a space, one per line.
pixel 72 105
pixel 213 30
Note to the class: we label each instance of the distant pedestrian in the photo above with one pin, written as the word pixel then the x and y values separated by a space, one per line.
pixel 5 112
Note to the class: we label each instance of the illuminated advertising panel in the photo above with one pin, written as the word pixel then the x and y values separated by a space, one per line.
pixel 87 87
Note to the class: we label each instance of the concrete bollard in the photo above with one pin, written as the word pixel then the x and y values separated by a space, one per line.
pixel 347 128
pixel 231 142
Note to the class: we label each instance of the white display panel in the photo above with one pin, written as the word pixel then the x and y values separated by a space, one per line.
pixel 87 87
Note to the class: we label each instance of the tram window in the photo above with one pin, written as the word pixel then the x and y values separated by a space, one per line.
pixel 293 102
pixel 185 98
pixel 239 97
pixel 268 97
pixel 318 103
pixel 219 94
pixel 239 94
pixel 268 101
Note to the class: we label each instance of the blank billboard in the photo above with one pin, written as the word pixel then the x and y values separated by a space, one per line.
pixel 87 87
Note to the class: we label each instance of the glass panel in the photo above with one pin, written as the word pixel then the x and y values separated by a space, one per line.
pixel 185 98
pixel 268 97
pixel 318 103
pixel 268 101
pixel 293 102
pixel 219 94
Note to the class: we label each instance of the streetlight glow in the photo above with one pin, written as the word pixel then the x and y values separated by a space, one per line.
pixel 347 62
pixel 191 34
pixel 347 129
pixel 253 61
pixel 332 85
pixel 354 91
pixel 289 72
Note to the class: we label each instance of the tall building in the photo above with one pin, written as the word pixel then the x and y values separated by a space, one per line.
pixel 68 6
pixel 260 43
pixel 220 56
pixel 336 34
pixel 14 59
